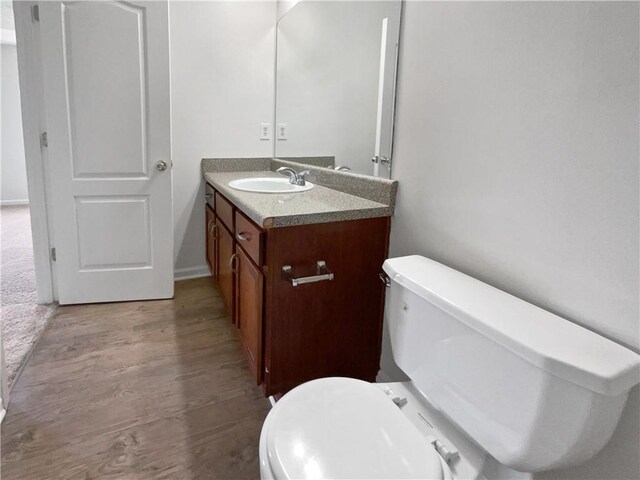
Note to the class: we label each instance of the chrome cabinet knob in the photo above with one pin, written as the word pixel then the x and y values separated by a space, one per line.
pixel 232 263
pixel 161 165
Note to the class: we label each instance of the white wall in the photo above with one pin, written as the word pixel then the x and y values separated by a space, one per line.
pixel 517 151
pixel 222 57
pixel 13 167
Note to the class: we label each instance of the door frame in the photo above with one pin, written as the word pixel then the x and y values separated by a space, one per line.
pixel 4 386
pixel 33 125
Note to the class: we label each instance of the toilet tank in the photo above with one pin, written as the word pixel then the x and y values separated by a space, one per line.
pixel 534 390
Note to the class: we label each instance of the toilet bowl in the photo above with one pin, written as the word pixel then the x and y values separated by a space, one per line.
pixel 347 428
pixel 498 389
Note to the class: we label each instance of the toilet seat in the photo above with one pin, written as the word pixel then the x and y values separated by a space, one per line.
pixel 344 428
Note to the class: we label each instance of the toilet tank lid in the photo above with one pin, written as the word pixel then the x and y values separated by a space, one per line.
pixel 547 341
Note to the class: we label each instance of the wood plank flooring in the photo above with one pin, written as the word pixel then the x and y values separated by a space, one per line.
pixel 138 390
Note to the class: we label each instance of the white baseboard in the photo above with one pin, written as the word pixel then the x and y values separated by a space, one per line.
pixel 10 203
pixel 7 37
pixel 191 272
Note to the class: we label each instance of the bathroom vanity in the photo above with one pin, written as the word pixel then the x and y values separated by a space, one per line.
pixel 299 276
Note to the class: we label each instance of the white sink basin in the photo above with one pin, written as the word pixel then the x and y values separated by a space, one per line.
pixel 268 185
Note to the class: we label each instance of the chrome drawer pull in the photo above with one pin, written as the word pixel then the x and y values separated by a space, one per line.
pixel 232 263
pixel 323 274
pixel 243 236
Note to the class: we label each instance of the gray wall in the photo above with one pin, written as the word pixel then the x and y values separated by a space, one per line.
pixel 221 91
pixel 517 152
pixel 14 170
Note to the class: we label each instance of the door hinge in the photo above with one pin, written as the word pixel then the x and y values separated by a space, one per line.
pixel 35 13
pixel 53 254
pixel 381 159
pixel 44 143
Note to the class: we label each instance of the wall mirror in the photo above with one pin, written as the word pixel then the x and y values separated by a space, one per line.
pixel 335 84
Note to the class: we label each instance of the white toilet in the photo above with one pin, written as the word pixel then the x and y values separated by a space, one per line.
pixel 498 387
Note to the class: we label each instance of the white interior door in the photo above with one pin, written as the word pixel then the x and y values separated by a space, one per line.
pixel 106 85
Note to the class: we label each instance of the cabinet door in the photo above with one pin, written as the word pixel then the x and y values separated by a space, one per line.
pixel 249 282
pixel 212 253
pixel 226 261
pixel 329 328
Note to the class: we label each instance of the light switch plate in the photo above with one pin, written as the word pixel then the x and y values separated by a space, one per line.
pixel 265 131
pixel 282 131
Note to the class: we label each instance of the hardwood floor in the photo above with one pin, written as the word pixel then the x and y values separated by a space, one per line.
pixel 138 390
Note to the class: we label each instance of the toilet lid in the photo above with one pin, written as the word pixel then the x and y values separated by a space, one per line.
pixel 345 428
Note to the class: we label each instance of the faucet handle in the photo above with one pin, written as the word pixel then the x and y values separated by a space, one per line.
pixel 300 178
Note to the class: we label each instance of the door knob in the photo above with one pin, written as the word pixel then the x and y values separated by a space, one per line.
pixel 161 165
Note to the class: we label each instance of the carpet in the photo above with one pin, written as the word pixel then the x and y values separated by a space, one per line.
pixel 23 320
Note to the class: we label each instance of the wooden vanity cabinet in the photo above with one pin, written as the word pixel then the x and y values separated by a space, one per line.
pixel 224 211
pixel 293 334
pixel 328 328
pixel 226 267
pixel 250 237
pixel 211 239
pixel 225 252
pixel 249 301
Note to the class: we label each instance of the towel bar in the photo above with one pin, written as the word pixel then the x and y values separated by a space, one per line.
pixel 324 274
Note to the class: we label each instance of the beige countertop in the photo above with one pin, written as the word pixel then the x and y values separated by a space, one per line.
pixel 318 205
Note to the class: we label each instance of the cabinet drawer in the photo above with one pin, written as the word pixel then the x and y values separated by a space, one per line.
pixel 250 238
pixel 224 210
pixel 209 193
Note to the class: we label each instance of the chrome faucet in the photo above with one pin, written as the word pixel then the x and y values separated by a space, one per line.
pixel 342 168
pixel 294 177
